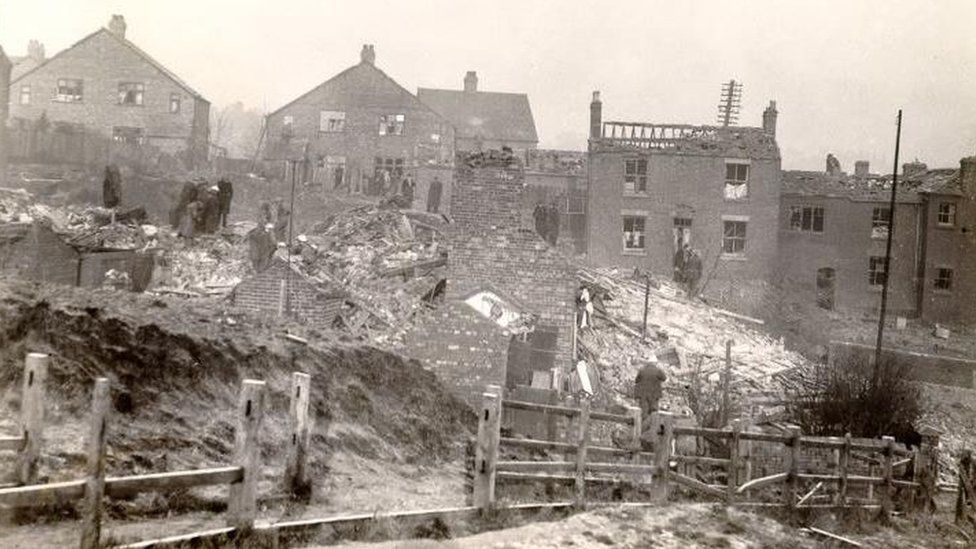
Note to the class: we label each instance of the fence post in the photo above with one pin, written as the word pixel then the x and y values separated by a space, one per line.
pixel 844 464
pixel 242 499
pixel 582 439
pixel 635 444
pixel 296 476
pixel 793 474
pixel 886 472
pixel 726 382
pixel 486 451
pixel 928 470
pixel 870 485
pixel 91 526
pixel 662 424
pixel 32 415
pixel 733 473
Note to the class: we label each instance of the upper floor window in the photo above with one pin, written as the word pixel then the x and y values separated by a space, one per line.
pixel 633 232
pixel 736 180
pixel 131 93
pixel 70 90
pixel 733 236
pixel 877 270
pixel 174 103
pixel 635 175
pixel 128 135
pixel 943 278
pixel 880 221
pixel 807 219
pixel 392 124
pixel 332 121
pixel 947 214
pixel 25 93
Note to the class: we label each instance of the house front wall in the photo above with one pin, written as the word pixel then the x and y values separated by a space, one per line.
pixel 952 246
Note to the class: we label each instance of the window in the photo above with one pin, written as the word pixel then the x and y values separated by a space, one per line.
pixel 392 166
pixel 807 219
pixel 174 103
pixel 947 214
pixel 332 121
pixel 635 176
pixel 25 94
pixel 943 278
pixel 392 124
pixel 131 93
pixel 70 90
pixel 435 138
pixel 127 135
pixel 877 270
pixel 736 180
pixel 880 220
pixel 288 120
pixel 734 237
pixel 633 232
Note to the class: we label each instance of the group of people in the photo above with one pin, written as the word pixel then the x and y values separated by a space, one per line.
pixel 687 268
pixel 201 207
pixel 547 222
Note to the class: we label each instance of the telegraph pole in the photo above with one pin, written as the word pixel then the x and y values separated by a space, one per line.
pixel 887 266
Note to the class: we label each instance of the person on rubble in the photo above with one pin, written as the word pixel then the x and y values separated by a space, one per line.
pixel 678 263
pixel 406 189
pixel 434 195
pixel 585 305
pixel 190 220
pixel 225 192
pixel 309 252
pixel 187 194
pixel 112 187
pixel 281 218
pixel 648 388
pixel 261 246
pixel 211 210
pixel 693 271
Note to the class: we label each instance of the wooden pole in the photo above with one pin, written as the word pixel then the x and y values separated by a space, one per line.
pixel 734 462
pixel 793 477
pixel 887 276
pixel 635 444
pixel 647 295
pixel 582 440
pixel 91 525
pixel 296 475
pixel 32 415
pixel 887 489
pixel 844 464
pixel 242 501
pixel 662 424
pixel 486 452
pixel 726 382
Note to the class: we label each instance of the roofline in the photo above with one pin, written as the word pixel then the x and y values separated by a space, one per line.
pixel 517 94
pixel 145 56
pixel 528 104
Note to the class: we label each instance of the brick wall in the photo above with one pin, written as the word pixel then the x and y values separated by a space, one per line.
pixel 308 302
pixel 941 370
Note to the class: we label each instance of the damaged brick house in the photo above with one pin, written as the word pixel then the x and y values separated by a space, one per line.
pixel 833 229
pixel 507 318
pixel 349 130
pixel 653 187
pixel 105 86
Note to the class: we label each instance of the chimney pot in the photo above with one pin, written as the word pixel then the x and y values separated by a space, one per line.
pixel 596 116
pixel 368 54
pixel 769 118
pixel 471 81
pixel 117 26
pixel 35 50
pixel 862 169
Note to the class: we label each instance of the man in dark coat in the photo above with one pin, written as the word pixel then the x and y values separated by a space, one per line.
pixel 112 187
pixel 261 246
pixel 679 263
pixel 648 388
pixel 225 193
pixel 693 271
pixel 211 210
pixel 187 194
pixel 407 188
pixel 434 196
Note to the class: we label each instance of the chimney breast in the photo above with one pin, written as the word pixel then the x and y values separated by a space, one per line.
pixel 368 54
pixel 117 26
pixel 35 50
pixel 862 169
pixel 471 81
pixel 769 118
pixel 596 116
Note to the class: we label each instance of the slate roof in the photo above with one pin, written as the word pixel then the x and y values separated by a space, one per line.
pixel 489 115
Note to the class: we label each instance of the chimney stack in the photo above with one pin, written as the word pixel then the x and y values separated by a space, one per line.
pixel 769 119
pixel 35 50
pixel 117 26
pixel 862 169
pixel 913 169
pixel 471 81
pixel 596 116
pixel 967 177
pixel 368 54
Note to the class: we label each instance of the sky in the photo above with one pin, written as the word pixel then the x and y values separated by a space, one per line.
pixel 838 70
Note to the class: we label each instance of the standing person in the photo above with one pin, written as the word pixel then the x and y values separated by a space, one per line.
pixel 211 210
pixel 282 216
pixel 434 195
pixel 225 192
pixel 648 388
pixel 260 246
pixel 693 271
pixel 679 263
pixel 190 220
pixel 187 194
pixel 407 189
pixel 112 187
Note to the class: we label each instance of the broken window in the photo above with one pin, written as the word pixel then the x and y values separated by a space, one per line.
pixel 332 121
pixel 25 93
pixel 127 135
pixel 131 93
pixel 807 218
pixel 681 232
pixel 635 176
pixel 392 124
pixel 392 166
pixel 943 278
pixel 877 270
pixel 880 221
pixel 734 237
pixel 947 214
pixel 736 180
pixel 633 232
pixel 174 103
pixel 70 90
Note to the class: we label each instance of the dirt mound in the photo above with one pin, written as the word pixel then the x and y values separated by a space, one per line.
pixel 176 366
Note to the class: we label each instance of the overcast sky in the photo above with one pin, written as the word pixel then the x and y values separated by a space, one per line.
pixel 839 70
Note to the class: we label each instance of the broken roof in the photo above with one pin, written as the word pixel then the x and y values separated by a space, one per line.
pixel 486 115
pixel 871 189
pixel 684 139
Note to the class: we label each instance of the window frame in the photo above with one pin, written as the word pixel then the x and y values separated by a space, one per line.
pixel 874 273
pixel 803 218
pixel 880 222
pixel 735 180
pixel 72 98
pixel 626 242
pixel 635 180
pixel 950 215
pixel 328 119
pixel 139 88
pixel 733 238
pixel 177 100
pixel 399 125
pixel 25 91
pixel 943 284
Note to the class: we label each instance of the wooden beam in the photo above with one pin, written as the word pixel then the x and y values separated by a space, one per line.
pixel 793 476
pixel 549 408
pixel 662 426
pixel 582 440
pixel 887 488
pixel 173 480
pixel 625 468
pixel 809 494
pixel 297 483
pixel 697 485
pixel 612 418
pixel 535 466
pixel 844 469
pixel 486 450
pixel 762 482
pixel 32 416
pixel 91 517
pixel 732 475
pixel 242 499
pixel 57 493
pixel 12 443
pixel 701 460
pixel 834 537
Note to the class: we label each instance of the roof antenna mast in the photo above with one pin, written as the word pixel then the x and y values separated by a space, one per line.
pixel 728 108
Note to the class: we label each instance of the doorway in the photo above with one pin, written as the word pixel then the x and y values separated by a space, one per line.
pixel 825 288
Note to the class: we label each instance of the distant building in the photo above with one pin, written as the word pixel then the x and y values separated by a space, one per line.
pixel 5 68
pixel 354 130
pixel 833 230
pixel 653 187
pixel 484 120
pixel 105 84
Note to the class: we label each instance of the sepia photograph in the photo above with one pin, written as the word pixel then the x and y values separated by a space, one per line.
pixel 521 274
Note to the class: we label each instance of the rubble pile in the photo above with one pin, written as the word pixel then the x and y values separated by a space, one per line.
pixel 206 265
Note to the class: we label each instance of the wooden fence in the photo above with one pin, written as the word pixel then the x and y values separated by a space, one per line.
pixel 28 443
pixel 241 474
pixel 663 469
